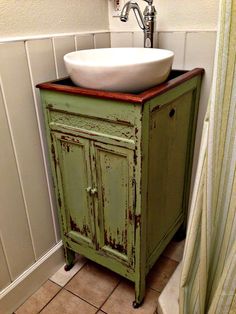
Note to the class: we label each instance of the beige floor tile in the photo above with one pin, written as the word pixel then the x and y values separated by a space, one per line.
pixel 93 283
pixel 101 312
pixel 67 303
pixel 161 273
pixel 175 250
pixel 39 299
pixel 61 277
pixel 121 300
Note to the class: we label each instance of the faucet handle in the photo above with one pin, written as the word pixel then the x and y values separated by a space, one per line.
pixel 149 1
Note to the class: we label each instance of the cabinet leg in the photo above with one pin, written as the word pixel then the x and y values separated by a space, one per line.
pixel 70 259
pixel 139 292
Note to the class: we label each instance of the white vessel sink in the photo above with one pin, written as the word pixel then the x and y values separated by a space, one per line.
pixel 119 69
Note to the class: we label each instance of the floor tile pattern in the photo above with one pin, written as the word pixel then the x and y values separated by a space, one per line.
pixel 91 289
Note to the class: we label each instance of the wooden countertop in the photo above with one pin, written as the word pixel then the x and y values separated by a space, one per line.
pixel 175 78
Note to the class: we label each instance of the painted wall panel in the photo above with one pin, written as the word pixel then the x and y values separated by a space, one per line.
pixel 26 223
pixel 42 68
pixel 63 45
pixel 20 104
pixel 174 41
pixel 13 219
pixel 123 39
pixel 84 42
pixel 41 59
pixel 5 278
pixel 41 62
pixel 102 40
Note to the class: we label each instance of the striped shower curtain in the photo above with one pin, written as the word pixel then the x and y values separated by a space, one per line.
pixel 208 280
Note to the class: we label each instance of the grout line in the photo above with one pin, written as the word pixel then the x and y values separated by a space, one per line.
pixel 42 143
pixel 61 288
pixel 77 272
pixel 55 57
pixel 99 310
pixel 72 276
pixel 81 298
pixel 86 300
pixel 18 168
pixel 45 305
pixel 120 280
pixel 156 289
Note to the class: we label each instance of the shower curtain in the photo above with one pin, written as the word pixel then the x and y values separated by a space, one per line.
pixel 208 280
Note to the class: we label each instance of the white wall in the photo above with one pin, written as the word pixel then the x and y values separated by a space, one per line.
pixel 30 247
pixel 178 15
pixel 33 17
pixel 34 37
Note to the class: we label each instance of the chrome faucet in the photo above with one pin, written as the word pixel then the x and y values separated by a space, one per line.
pixel 146 21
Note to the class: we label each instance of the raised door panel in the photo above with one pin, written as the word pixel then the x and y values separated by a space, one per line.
pixel 115 200
pixel 74 180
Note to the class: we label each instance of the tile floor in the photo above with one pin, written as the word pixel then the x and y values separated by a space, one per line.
pixel 91 289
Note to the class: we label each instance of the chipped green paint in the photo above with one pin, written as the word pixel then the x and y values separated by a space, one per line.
pixel 121 173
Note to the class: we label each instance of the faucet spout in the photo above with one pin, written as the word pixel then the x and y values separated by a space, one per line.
pixel 124 16
pixel 145 21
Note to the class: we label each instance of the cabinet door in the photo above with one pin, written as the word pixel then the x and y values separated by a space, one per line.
pixel 74 182
pixel 114 202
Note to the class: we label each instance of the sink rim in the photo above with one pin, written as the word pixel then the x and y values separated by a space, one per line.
pixel 148 56
pixel 122 69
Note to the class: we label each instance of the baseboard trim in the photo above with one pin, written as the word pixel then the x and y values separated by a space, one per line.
pixel 28 282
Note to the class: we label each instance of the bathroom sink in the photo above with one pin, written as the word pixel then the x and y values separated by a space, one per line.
pixel 119 69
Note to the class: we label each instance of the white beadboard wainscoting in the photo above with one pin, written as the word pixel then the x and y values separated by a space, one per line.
pixel 30 246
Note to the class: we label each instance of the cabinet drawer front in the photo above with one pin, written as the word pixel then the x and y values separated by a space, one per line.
pixel 114 180
pixel 121 129
pixel 73 180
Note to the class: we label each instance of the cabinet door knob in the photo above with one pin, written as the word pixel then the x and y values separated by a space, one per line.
pixel 93 191
pixel 88 189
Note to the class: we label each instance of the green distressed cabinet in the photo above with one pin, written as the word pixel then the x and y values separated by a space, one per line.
pixel 121 167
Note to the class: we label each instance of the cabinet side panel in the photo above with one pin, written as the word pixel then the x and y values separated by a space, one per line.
pixel 169 133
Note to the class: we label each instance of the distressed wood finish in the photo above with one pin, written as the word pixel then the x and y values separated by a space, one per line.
pixel 121 167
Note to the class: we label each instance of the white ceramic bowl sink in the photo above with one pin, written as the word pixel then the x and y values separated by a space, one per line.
pixel 119 69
